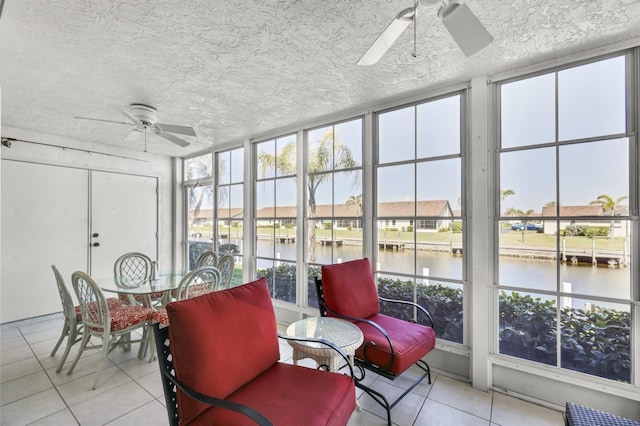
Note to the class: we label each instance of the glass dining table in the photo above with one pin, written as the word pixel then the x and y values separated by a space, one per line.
pixel 164 284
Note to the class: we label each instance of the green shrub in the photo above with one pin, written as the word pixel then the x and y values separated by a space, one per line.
pixel 456 227
pixel 410 228
pixel 593 342
pixel 447 229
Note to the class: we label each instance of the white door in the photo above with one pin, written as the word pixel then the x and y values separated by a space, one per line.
pixel 45 218
pixel 124 218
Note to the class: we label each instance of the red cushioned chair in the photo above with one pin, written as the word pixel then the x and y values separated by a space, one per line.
pixel 348 290
pixel 112 325
pixel 219 366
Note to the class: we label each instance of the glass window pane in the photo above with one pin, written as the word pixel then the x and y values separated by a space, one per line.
pixel 439 127
pixel 198 167
pixel 223 202
pixel 200 211
pixel 286 156
pixel 396 135
pixel 281 277
pixel 265 238
pixel 527 326
pixel 593 262
pixel 224 167
pixel 266 156
pixel 348 193
pixel 393 241
pixel 236 200
pixel 286 197
pixel 396 192
pixel 439 187
pixel 527 254
pixel 596 338
pixel 320 149
pixel 265 199
pixel 595 173
pixel 527 110
pixel 439 253
pixel 591 99
pixel 527 181
pixel 237 165
pixel 349 136
pixel 320 195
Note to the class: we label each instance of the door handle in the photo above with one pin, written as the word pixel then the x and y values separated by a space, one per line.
pixel 96 244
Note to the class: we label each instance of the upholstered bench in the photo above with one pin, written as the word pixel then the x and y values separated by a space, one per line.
pixel 578 415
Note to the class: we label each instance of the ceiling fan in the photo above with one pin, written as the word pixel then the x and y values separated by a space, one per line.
pixel 144 120
pixel 465 28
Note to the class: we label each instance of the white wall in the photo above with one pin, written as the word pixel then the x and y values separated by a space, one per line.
pixel 88 156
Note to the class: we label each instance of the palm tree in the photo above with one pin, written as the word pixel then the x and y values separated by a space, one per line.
pixel 320 160
pixel 355 201
pixel 504 193
pixel 608 204
pixel 195 169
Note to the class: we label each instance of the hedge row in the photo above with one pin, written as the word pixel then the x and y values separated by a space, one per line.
pixel 593 342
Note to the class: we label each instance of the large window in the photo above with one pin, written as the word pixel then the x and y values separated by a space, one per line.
pixel 419 219
pixel 275 215
pixel 564 226
pixel 334 229
pixel 198 184
pixel 230 200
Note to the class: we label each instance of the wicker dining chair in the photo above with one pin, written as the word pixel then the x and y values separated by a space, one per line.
pixel 113 326
pixel 196 283
pixel 132 270
pixel 208 258
pixel 72 328
pixel 226 265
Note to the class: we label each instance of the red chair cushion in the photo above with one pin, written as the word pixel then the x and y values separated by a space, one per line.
pixel 160 315
pixel 222 340
pixel 410 342
pixel 112 303
pixel 349 288
pixel 125 316
pixel 318 397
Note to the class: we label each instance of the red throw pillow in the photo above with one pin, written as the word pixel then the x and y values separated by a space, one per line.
pixel 349 288
pixel 221 340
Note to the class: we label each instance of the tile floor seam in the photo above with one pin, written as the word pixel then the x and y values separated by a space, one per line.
pixel 50 380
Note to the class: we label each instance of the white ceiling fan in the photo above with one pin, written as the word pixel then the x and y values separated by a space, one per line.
pixel 144 120
pixel 465 28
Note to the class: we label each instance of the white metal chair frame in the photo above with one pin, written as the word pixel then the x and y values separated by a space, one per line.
pixel 71 329
pixel 96 321
pixel 226 265
pixel 199 281
pixel 208 258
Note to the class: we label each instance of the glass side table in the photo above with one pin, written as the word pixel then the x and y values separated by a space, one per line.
pixel 343 333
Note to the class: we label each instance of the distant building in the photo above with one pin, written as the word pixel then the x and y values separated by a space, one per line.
pixel 582 214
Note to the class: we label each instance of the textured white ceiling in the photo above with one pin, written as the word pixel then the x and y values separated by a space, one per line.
pixel 233 69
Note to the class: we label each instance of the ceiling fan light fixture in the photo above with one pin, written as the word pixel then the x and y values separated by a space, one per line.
pixel 465 28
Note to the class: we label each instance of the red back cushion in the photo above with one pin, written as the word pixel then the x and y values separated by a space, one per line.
pixel 221 340
pixel 349 288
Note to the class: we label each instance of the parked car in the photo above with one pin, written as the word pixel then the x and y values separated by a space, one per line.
pixel 527 226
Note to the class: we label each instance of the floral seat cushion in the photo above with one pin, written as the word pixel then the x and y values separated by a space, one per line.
pixel 112 303
pixel 126 316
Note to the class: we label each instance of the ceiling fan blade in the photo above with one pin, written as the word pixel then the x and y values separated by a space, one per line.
pixel 388 37
pixel 99 119
pixel 125 111
pixel 174 139
pixel 465 28
pixel 135 136
pixel 181 130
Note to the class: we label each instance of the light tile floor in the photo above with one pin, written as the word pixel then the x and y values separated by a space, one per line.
pixel 130 391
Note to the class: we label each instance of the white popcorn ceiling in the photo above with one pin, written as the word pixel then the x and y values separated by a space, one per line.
pixel 236 69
